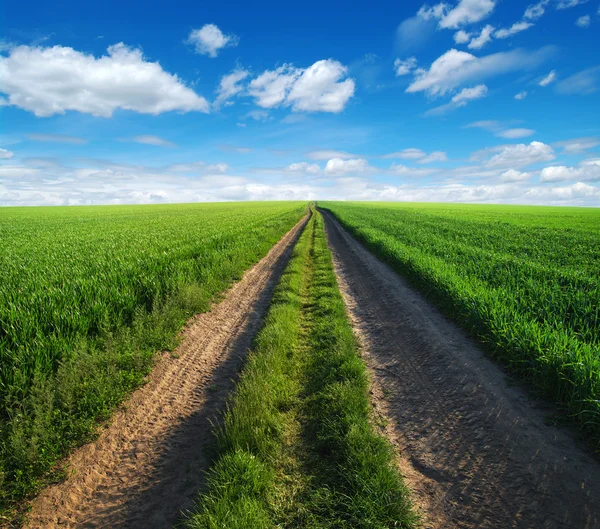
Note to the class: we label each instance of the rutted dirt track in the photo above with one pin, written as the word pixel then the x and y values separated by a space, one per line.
pixel 475 452
pixel 148 464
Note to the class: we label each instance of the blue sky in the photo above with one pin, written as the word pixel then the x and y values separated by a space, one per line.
pixel 466 101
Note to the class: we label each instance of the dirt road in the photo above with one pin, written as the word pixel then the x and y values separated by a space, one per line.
pixel 475 451
pixel 148 464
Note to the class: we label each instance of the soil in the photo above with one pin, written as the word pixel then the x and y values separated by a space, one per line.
pixel 147 466
pixel 476 451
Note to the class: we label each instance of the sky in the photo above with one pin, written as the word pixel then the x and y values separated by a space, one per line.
pixel 485 101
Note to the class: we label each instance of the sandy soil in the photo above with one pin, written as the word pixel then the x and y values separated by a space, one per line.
pixel 148 464
pixel 475 451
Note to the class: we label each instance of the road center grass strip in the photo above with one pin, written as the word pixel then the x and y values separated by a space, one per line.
pixel 297 447
pixel 524 280
pixel 87 297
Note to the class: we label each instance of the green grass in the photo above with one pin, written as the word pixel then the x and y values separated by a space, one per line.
pixel 297 447
pixel 524 280
pixel 88 295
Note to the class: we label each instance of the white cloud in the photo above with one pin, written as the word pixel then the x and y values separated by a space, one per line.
pixel 58 138
pixel 583 83
pixel 484 37
pixel 548 79
pixel 517 27
pixel 512 175
pixel 462 37
pixel 271 87
pixel 403 170
pixel 257 115
pixel 566 4
pixel 148 139
pixel 304 167
pixel 488 124
pixel 48 81
pixel 459 100
pixel 5 154
pixel 583 21
pixel 230 86
pixel 515 133
pixel 535 11
pixel 435 156
pixel 418 155
pixel 404 67
pixel 467 94
pixel 465 12
pixel 339 167
pixel 588 170
pixel 117 184
pixel 578 145
pixel 455 68
pixel 521 95
pixel 318 88
pixel 209 39
pixel 521 155
pixel 326 154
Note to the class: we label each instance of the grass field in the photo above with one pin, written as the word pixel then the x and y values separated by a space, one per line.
pixel 89 294
pixel 296 446
pixel 524 280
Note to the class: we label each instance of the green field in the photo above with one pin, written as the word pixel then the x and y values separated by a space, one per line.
pixel 89 294
pixel 297 447
pixel 524 280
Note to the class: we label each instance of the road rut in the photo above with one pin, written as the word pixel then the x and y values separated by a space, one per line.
pixel 146 467
pixel 475 451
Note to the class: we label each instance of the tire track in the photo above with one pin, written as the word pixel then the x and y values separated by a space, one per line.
pixel 147 466
pixel 475 451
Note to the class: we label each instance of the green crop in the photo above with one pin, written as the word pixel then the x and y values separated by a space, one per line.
pixel 524 280
pixel 89 294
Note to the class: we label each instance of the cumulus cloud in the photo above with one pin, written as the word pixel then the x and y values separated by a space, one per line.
pixel 482 39
pixel 578 145
pixel 521 155
pixel 209 39
pixel 462 37
pixel 582 83
pixel 148 139
pixel 318 88
pixel 455 68
pixel 521 95
pixel 5 154
pixel 304 167
pixel 404 67
pixel 515 133
pixel 48 81
pixel 339 167
pixel 517 27
pixel 588 170
pixel 583 21
pixel 465 12
pixel 548 79
pixel 230 86
pixel 512 175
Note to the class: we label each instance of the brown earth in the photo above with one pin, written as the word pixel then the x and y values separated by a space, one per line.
pixel 476 452
pixel 147 466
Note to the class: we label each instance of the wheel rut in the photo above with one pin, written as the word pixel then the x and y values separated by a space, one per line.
pixel 475 451
pixel 148 464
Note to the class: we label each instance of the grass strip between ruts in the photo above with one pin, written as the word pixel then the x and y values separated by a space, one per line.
pixel 297 447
